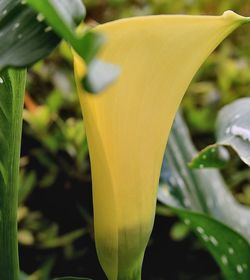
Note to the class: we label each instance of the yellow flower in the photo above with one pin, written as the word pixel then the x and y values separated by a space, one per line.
pixel 128 124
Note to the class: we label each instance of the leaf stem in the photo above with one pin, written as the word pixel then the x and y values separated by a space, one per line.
pixel 13 94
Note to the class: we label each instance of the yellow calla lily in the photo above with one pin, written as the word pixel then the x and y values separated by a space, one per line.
pixel 128 123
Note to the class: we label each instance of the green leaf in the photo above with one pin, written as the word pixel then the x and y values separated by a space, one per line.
pixel 27 183
pixel 62 240
pixel 230 250
pixel 100 74
pixel 204 192
pixel 24 37
pixel 12 85
pixel 179 231
pixel 233 130
pixel 44 272
pixel 27 36
pixel 56 14
pixel 212 156
pixel 71 12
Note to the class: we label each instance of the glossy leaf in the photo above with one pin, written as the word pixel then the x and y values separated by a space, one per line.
pixel 201 198
pixel 230 250
pixel 211 156
pixel 205 190
pixel 25 38
pixel 233 130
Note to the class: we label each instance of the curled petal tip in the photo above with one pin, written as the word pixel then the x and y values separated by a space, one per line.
pixel 231 15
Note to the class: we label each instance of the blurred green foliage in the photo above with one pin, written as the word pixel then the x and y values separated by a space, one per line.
pixel 55 211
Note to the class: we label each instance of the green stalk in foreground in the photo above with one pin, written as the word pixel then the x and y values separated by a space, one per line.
pixel 12 85
pixel 128 123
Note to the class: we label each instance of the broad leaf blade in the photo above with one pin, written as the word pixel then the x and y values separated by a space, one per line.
pixel 233 130
pixel 230 250
pixel 24 38
pixel 202 191
pixel 25 35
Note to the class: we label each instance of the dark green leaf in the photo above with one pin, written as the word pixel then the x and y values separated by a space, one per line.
pixel 230 250
pixel 211 156
pixel 24 37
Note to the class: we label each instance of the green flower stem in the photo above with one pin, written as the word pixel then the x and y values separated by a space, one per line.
pixel 136 276
pixel 11 97
pixel 131 273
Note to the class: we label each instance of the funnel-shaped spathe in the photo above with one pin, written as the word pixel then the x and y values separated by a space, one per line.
pixel 128 124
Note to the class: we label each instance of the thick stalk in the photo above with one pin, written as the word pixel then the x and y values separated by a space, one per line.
pixel 136 276
pixel 11 97
pixel 131 272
